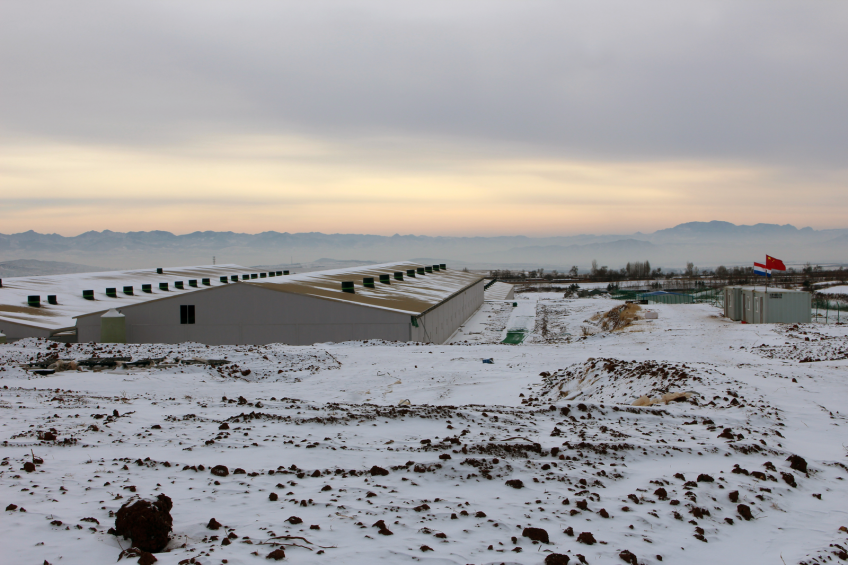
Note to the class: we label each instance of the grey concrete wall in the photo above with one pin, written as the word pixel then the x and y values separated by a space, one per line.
pixel 19 331
pixel 437 325
pixel 239 314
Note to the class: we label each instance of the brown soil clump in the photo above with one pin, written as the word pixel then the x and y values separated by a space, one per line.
pixel 536 534
pixel 276 555
pixel 628 557
pixel 586 538
pixel 213 524
pixel 789 479
pixel 515 483
pixel 220 471
pixel 744 511
pixel 146 522
pixel 378 471
pixel 557 559
pixel 798 463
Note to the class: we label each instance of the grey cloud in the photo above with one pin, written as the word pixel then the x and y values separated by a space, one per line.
pixel 758 81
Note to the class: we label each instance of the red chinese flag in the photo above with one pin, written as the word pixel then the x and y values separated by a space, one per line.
pixel 774 264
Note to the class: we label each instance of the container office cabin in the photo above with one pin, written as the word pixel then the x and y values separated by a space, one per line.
pixel 775 306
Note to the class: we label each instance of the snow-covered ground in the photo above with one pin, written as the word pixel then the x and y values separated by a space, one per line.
pixel 842 289
pixel 308 424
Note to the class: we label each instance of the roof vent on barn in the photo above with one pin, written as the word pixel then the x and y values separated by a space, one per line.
pixel 347 286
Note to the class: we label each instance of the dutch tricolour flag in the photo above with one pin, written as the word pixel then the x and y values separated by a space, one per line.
pixel 760 269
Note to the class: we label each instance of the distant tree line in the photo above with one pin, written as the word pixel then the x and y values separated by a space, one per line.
pixel 692 275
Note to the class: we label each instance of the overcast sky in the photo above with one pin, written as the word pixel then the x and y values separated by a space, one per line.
pixel 451 118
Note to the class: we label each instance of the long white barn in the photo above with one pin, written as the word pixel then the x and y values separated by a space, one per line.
pixel 229 304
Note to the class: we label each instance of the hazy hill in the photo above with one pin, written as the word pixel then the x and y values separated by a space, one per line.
pixel 33 267
pixel 705 243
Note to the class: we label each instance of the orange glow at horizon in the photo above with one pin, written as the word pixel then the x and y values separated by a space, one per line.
pixel 301 185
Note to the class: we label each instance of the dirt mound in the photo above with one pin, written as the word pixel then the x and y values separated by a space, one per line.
pixel 146 522
pixel 620 381
pixel 616 319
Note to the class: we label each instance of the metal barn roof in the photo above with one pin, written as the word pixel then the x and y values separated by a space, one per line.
pixel 14 304
pixel 410 295
pixel 499 291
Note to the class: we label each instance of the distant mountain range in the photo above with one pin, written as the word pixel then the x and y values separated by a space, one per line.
pixel 704 243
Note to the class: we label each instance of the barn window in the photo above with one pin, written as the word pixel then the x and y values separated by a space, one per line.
pixel 187 314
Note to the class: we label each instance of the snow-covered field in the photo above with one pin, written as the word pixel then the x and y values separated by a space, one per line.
pixel 301 429
pixel 842 289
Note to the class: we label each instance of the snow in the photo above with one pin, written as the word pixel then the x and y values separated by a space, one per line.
pixel 499 291
pixel 335 408
pixel 843 289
